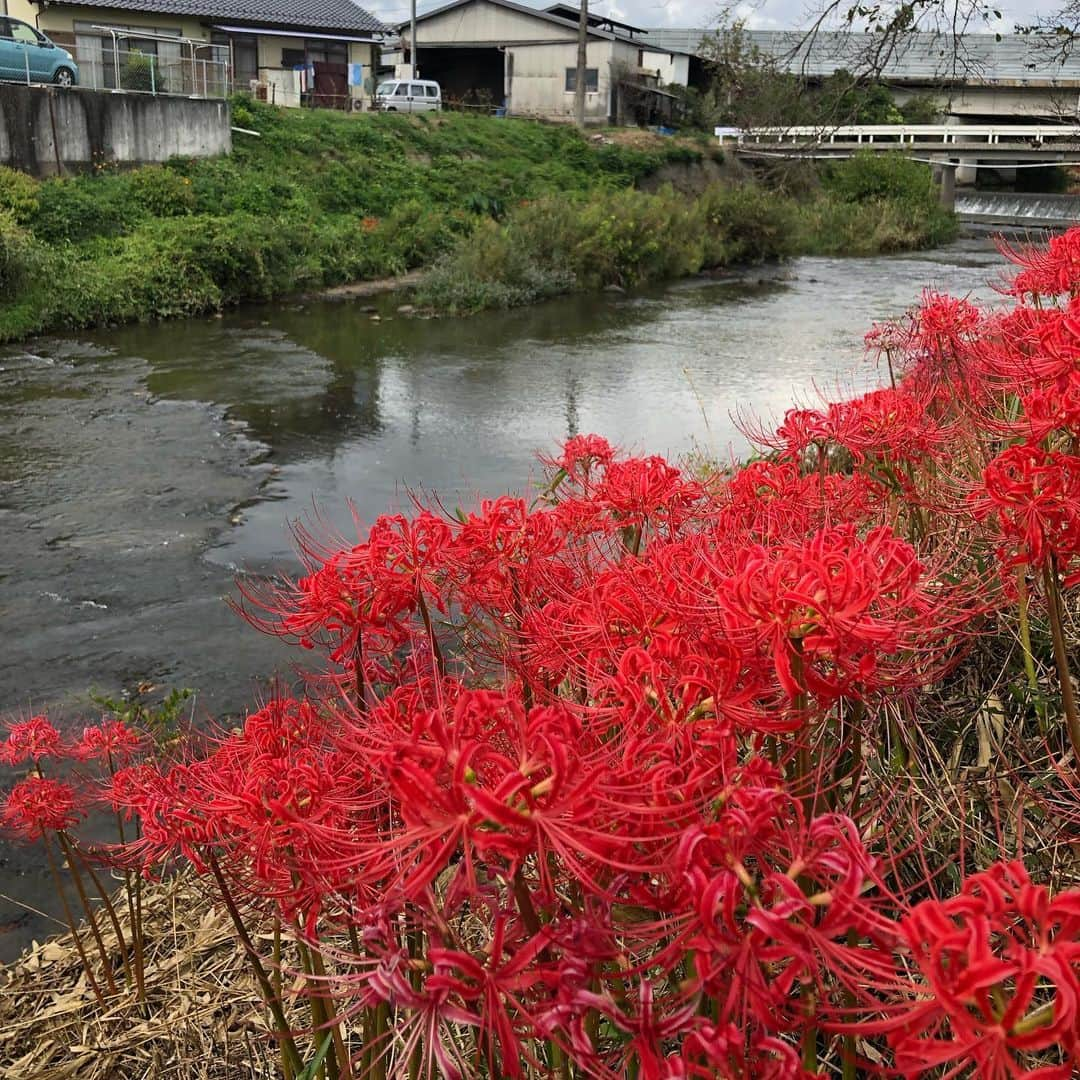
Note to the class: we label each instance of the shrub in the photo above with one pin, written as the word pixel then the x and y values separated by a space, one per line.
pixel 746 224
pixel 82 208
pixel 18 194
pixel 161 192
pixel 626 238
pixel 869 175
pixel 15 253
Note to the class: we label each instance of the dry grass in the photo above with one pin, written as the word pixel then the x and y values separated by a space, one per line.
pixel 202 1020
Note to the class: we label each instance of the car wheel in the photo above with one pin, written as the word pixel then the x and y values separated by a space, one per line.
pixel 64 77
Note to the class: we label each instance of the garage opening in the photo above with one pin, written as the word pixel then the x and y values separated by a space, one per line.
pixel 468 76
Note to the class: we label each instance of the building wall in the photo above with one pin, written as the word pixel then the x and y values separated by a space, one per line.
pixel 537 83
pixel 481 22
pixel 21 9
pixel 61 18
pixel 673 69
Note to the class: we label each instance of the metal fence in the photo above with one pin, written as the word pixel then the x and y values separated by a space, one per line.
pixel 146 63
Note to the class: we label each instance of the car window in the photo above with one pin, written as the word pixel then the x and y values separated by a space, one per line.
pixel 402 90
pixel 417 90
pixel 431 91
pixel 5 28
pixel 22 32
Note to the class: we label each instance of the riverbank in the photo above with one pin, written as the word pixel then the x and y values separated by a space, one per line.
pixel 321 200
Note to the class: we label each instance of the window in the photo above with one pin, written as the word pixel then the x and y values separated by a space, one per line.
pixel 417 90
pixel 22 32
pixel 402 90
pixel 431 91
pixel 592 80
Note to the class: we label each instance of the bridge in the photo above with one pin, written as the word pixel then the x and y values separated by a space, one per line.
pixel 947 147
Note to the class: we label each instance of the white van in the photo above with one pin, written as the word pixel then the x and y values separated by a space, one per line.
pixel 408 95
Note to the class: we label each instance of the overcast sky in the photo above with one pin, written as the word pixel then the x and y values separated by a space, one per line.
pixel 762 14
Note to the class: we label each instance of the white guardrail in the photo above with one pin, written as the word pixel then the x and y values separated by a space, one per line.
pixel 904 134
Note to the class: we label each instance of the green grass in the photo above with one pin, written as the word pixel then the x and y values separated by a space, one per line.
pixel 323 198
pixel 319 199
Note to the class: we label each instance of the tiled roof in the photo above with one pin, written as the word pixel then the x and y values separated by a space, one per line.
pixel 327 15
pixel 922 57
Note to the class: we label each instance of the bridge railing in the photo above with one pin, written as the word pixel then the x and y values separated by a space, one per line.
pixel 905 134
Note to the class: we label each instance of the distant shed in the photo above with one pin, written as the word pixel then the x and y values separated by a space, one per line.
pixel 497 52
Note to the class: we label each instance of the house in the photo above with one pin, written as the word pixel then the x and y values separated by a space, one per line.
pixel 497 52
pixel 291 52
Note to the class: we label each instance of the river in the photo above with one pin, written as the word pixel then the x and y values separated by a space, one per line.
pixel 143 468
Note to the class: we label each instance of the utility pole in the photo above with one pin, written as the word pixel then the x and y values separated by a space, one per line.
pixel 579 82
pixel 412 42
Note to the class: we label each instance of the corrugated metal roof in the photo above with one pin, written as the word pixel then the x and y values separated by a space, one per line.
pixel 298 14
pixel 921 57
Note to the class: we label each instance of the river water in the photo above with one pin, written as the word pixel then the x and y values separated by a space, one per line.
pixel 143 468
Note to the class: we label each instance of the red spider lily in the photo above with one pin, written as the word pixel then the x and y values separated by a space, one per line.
pixel 1033 497
pixel 284 811
pixel 830 610
pixel 1051 410
pixel 944 327
pixel 720 1053
pixel 893 425
pixel 640 490
pixel 370 589
pixel 31 740
pixel 766 502
pixel 582 453
pixel 111 740
pixel 1050 270
pixel 1000 965
pixel 782 908
pixel 37 806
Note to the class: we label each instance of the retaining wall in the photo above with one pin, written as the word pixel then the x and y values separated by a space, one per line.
pixel 45 130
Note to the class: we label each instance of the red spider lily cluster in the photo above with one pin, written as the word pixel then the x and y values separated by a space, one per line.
pixel 609 783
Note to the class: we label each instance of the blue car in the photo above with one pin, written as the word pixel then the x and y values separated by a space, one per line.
pixel 27 54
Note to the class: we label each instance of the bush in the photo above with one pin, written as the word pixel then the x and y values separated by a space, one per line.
pixel 82 208
pixel 745 224
pixel 18 194
pixel 869 175
pixel 553 245
pixel 161 192
pixel 15 253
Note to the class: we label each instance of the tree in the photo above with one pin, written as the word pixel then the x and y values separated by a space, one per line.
pixel 751 89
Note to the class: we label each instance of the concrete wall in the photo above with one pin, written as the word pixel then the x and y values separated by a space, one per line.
pixel 95 128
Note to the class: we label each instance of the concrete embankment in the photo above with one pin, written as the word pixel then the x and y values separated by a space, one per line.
pixel 48 130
